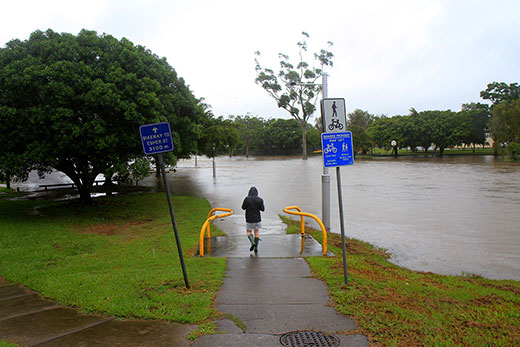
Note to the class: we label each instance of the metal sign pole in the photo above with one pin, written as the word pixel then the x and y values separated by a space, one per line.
pixel 172 215
pixel 343 244
pixel 325 176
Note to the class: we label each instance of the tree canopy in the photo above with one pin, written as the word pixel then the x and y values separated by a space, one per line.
pixel 497 92
pixel 505 124
pixel 294 87
pixel 505 112
pixel 75 104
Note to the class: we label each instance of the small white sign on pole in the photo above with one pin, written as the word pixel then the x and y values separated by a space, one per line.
pixel 333 115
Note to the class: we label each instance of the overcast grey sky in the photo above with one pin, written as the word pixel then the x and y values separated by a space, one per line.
pixel 389 55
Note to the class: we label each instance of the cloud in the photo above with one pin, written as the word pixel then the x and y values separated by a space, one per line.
pixel 389 55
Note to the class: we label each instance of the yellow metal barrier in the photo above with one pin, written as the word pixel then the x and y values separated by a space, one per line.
pixel 206 225
pixel 302 214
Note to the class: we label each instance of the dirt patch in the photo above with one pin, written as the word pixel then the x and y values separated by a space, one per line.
pixel 357 247
pixel 487 300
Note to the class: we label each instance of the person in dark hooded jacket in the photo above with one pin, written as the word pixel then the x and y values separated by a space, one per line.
pixel 253 204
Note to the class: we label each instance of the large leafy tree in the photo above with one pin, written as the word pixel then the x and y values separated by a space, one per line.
pixel 75 103
pixel 383 130
pixel 477 118
pixel 281 136
pixel 447 128
pixel 414 131
pixel 505 123
pixel 504 111
pixel 218 135
pixel 294 86
pixel 497 92
pixel 249 128
pixel 358 123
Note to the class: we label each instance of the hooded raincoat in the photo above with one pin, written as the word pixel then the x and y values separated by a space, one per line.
pixel 253 204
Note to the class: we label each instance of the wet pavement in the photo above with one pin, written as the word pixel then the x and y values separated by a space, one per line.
pixel 272 292
pixel 27 319
pixel 272 297
pixel 274 242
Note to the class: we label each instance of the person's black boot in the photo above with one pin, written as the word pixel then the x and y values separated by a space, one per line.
pixel 255 246
pixel 251 239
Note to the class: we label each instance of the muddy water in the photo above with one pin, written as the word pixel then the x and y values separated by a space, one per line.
pixel 445 215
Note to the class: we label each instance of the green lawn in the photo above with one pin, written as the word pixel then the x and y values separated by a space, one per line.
pixel 118 256
pixel 395 306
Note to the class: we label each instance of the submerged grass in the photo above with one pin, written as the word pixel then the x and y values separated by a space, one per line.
pixel 118 256
pixel 395 306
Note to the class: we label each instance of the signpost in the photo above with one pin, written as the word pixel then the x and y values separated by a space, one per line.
pixel 157 139
pixel 337 151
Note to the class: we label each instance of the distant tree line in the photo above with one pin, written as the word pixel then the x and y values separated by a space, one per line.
pixel 421 130
pixel 252 135
pixel 442 129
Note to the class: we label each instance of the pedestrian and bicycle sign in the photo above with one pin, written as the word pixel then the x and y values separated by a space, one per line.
pixel 337 149
pixel 333 115
pixel 156 138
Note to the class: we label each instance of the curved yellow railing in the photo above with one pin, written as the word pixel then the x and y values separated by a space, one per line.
pixel 302 214
pixel 206 225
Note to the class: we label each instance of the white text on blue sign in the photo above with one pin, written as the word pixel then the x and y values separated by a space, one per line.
pixel 156 138
pixel 337 149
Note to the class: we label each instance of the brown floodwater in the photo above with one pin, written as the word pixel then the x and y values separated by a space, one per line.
pixel 447 215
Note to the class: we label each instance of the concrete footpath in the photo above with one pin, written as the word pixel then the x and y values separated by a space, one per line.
pixel 272 292
pixel 265 296
pixel 27 319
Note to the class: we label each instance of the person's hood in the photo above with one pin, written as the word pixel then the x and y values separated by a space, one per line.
pixel 253 192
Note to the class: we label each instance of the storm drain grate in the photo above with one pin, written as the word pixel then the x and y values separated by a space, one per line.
pixel 308 338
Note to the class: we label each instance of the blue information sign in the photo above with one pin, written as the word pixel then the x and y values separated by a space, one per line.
pixel 337 149
pixel 156 138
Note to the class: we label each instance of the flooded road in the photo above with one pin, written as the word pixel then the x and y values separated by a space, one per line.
pixel 446 215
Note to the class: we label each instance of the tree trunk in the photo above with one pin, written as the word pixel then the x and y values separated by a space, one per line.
pixel 84 194
pixel 304 140
pixel 108 179
pixel 157 169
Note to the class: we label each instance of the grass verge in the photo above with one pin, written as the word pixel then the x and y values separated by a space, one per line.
pixel 448 151
pixel 117 257
pixel 395 306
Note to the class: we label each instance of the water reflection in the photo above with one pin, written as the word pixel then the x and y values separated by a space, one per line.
pixel 446 215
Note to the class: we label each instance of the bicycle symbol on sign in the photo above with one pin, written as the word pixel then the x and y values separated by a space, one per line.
pixel 335 123
pixel 330 148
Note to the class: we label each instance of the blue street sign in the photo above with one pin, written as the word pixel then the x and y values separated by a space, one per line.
pixel 156 138
pixel 337 149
